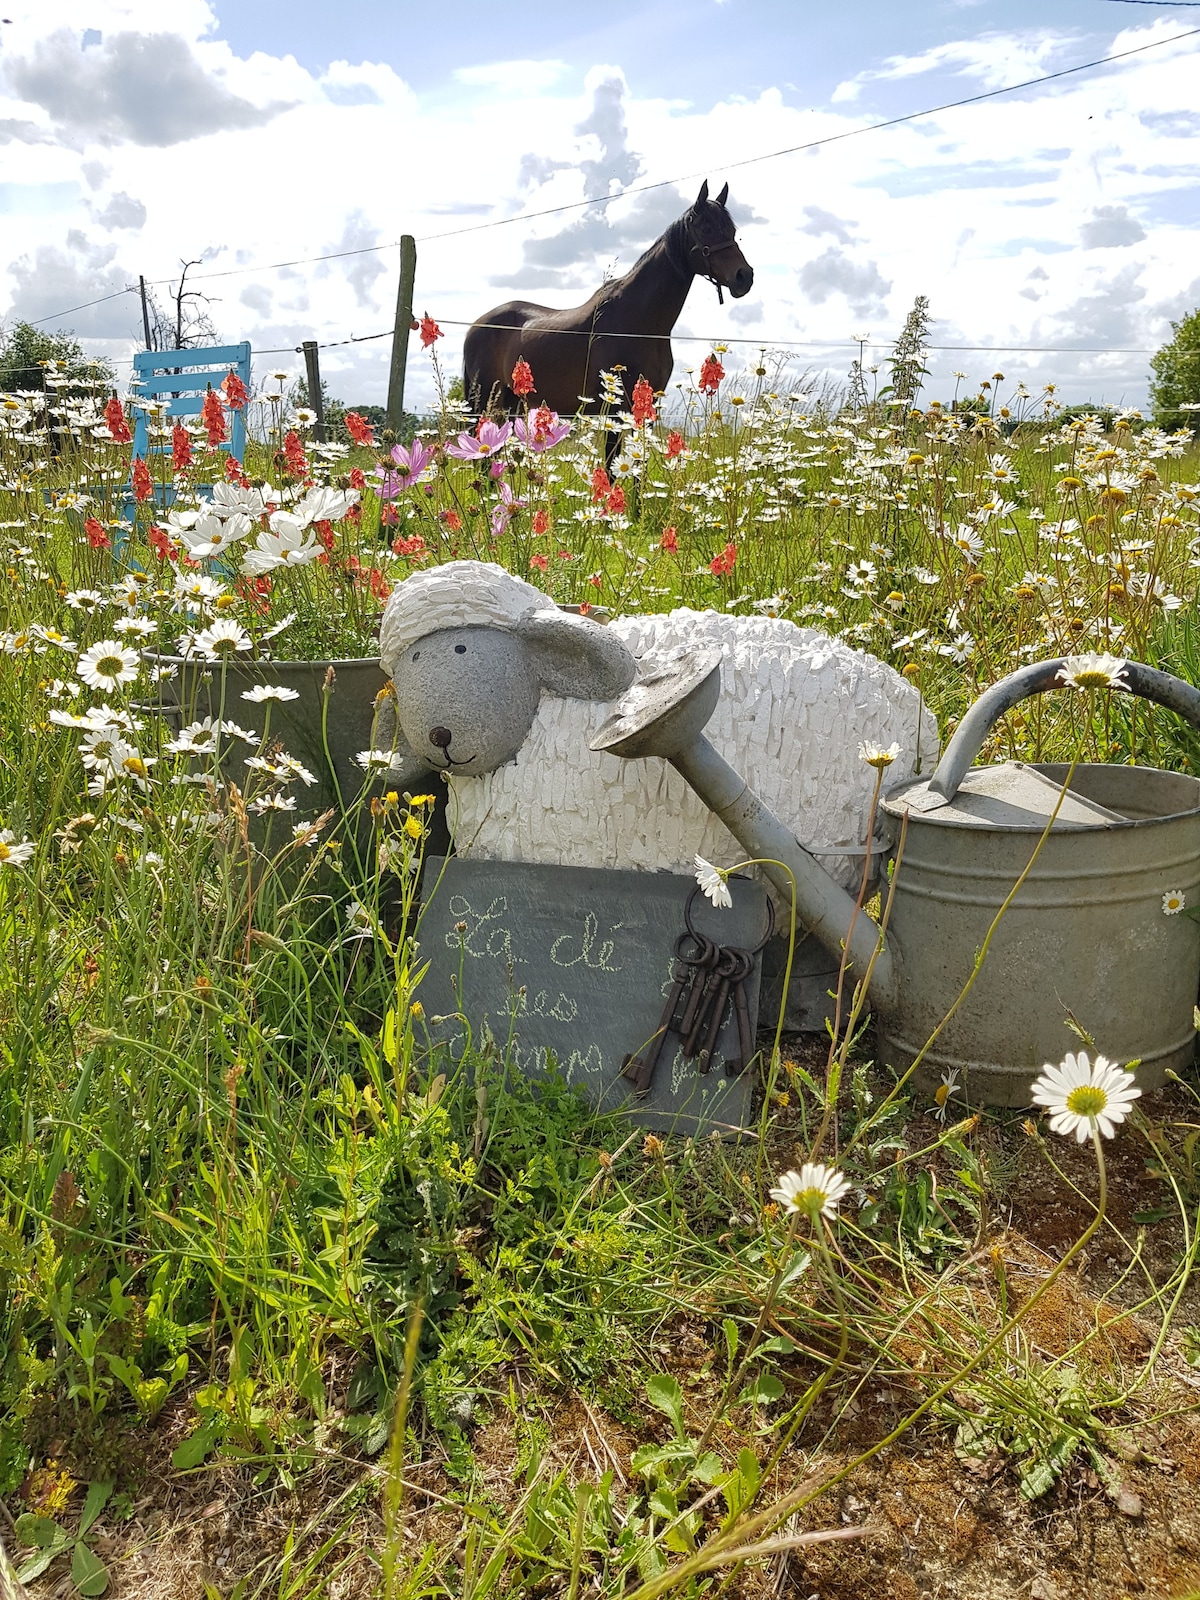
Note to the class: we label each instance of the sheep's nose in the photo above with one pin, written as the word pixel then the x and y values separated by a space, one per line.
pixel 440 737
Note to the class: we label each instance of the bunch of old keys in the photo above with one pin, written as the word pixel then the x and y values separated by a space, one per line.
pixel 708 980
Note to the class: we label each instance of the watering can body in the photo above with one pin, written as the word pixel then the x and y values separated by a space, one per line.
pixel 1085 936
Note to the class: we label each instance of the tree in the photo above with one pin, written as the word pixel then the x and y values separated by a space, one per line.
pixel 185 323
pixel 24 351
pixel 1176 383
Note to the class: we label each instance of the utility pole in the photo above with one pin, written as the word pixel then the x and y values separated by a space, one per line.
pixel 145 311
pixel 404 316
pixel 312 367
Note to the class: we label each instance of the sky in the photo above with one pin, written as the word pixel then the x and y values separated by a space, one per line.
pixel 138 133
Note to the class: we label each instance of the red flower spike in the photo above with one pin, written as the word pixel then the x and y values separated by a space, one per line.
pixel 669 541
pixel 615 504
pixel 181 448
pixel 674 444
pixel 600 485
pixel 721 566
pixel 97 535
pixel 430 332
pixel 213 418
pixel 235 391
pixel 643 403
pixel 143 486
pixel 541 523
pixel 540 562
pixel 358 478
pixel 294 458
pixel 359 429
pixel 114 415
pixel 711 374
pixel 522 379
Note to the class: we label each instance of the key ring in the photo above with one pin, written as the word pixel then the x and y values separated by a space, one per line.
pixel 751 950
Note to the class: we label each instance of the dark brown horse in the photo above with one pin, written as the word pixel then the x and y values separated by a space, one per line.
pixel 626 323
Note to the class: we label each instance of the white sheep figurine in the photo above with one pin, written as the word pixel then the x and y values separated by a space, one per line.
pixel 504 691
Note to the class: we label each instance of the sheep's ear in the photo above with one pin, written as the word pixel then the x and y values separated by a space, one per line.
pixel 576 658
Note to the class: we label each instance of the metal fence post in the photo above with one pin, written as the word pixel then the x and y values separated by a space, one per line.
pixel 404 316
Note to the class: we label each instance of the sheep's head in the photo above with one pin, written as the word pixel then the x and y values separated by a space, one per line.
pixel 470 649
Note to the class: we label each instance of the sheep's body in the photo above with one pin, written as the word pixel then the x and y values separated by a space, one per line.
pixel 794 706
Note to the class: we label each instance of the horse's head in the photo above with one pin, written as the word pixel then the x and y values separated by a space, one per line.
pixel 712 245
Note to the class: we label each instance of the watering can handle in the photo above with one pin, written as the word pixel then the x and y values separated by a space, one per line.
pixel 1146 682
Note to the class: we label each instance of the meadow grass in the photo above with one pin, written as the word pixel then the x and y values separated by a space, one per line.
pixel 254 1224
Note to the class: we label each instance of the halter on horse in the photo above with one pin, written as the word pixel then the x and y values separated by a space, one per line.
pixel 626 324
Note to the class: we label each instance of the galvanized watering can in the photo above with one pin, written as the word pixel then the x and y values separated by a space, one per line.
pixel 1086 935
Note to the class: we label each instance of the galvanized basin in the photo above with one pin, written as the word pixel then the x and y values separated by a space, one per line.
pixel 1085 937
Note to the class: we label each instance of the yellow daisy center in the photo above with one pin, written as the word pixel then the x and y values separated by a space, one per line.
pixel 5 852
pixel 1088 1100
pixel 1093 677
pixel 110 666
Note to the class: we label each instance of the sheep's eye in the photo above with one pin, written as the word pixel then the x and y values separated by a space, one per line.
pixel 416 655
pixel 460 649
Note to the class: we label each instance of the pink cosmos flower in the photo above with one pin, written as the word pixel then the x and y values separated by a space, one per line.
pixel 508 506
pixel 410 463
pixel 492 436
pixel 542 431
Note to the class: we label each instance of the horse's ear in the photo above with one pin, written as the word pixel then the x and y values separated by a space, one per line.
pixel 576 658
pixel 723 196
pixel 702 197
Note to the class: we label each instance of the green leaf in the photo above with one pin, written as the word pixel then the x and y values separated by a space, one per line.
pixel 88 1572
pixel 764 1391
pixel 663 1503
pixel 40 1531
pixel 197 1446
pixel 665 1395
pixel 97 1499
pixel 36 1565
pixel 709 1468
pixel 730 1329
pixel 780 1345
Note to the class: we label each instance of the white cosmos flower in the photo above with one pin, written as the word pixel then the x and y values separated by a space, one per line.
pixel 1081 1097
pixel 14 852
pixel 107 664
pixel 212 534
pixel 1173 902
pixel 282 545
pixel 876 755
pixel 712 881
pixel 225 638
pixel 1094 672
pixel 269 691
pixel 815 1190
pixel 230 500
pixel 323 504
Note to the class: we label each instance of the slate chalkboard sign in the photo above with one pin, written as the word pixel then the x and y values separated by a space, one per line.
pixel 573 965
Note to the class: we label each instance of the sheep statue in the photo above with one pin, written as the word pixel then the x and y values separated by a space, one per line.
pixel 502 690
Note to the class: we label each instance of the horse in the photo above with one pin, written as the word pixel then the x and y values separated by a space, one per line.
pixel 625 325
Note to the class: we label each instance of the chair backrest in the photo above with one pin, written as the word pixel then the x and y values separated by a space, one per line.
pixel 158 376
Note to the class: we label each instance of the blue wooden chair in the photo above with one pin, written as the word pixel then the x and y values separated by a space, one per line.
pixel 156 376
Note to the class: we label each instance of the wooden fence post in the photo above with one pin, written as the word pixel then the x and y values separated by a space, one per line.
pixel 316 402
pixel 404 316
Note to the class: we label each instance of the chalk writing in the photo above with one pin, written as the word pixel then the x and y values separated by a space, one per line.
pixel 480 938
pixel 599 959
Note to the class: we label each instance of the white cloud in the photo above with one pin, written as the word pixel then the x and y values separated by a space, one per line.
pixel 1007 214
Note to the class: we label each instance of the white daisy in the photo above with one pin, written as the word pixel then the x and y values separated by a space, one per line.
pixel 1094 672
pixel 136 627
pixel 276 801
pixel 197 739
pixel 83 599
pixel 876 755
pixel 815 1190
pixel 107 664
pixel 1081 1097
pixel 222 639
pixel 374 760
pixel 1173 902
pixel 14 853
pixel 712 880
pixel 941 1095
pixel 269 691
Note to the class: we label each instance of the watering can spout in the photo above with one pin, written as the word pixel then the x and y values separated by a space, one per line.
pixel 664 715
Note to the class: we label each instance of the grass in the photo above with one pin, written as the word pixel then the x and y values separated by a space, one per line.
pixel 413 1328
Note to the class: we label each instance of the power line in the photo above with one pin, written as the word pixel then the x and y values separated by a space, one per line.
pixel 37 323
pixel 685 177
